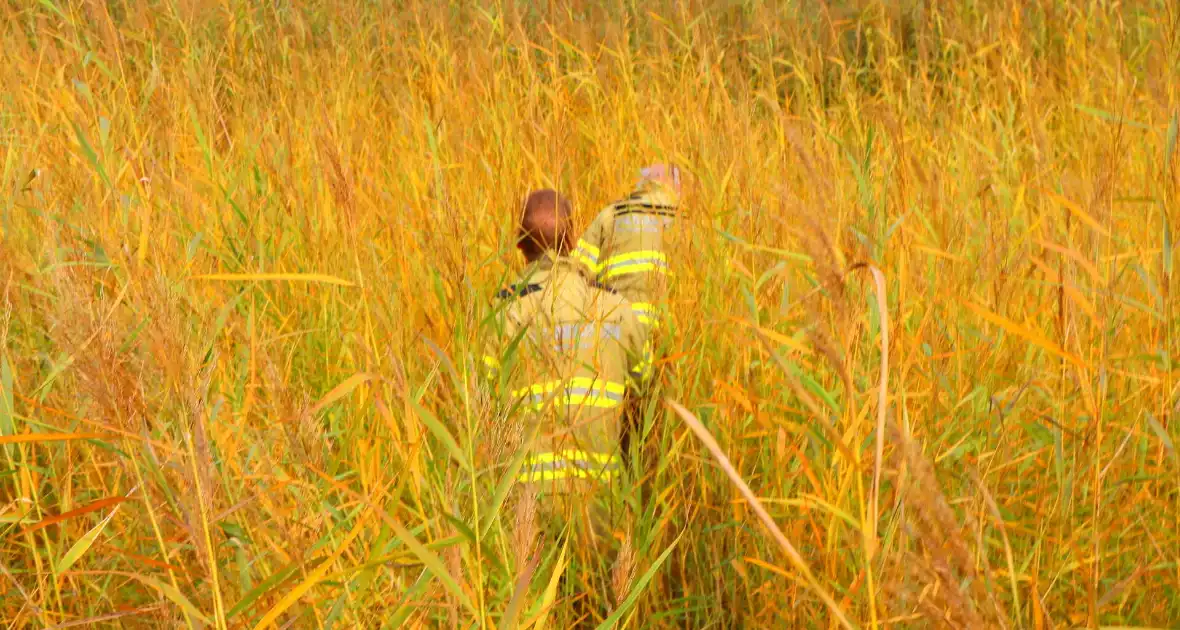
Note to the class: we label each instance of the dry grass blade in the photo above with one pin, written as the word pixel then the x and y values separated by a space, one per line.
pixel 806 398
pixel 1028 334
pixel 315 577
pixel 882 407
pixel 83 544
pixel 33 438
pixel 792 554
pixel 520 592
pixel 340 391
pixel 994 510
pixel 64 516
pixel 436 566
pixel 953 587
pixel 167 590
pixel 1075 208
pixel 90 622
pixel 544 606
pixel 321 278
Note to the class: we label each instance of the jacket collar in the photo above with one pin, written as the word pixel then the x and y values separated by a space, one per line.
pixel 653 193
pixel 538 273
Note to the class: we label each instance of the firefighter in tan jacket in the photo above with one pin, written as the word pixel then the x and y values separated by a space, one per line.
pixel 625 250
pixel 566 354
pixel 625 247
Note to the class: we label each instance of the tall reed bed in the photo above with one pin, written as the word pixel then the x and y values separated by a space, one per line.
pixel 247 249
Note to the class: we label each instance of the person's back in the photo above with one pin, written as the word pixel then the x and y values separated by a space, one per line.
pixel 570 370
pixel 625 247
pixel 566 354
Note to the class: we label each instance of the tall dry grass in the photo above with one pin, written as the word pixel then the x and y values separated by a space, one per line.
pixel 188 441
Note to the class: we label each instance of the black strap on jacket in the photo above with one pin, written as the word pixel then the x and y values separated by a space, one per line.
pixel 645 208
pixel 518 291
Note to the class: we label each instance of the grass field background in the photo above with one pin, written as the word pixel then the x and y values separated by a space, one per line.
pixel 246 249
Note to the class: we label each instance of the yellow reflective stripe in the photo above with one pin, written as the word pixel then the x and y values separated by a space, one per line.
pixel 582 258
pixel 590 250
pixel 568 464
pixel 539 388
pixel 589 399
pixel 587 254
pixel 568 473
pixel 545 458
pixel 631 268
pixel 644 368
pixel 581 390
pixel 581 400
pixel 641 254
pixel 635 262
pixel 645 313
pixel 585 382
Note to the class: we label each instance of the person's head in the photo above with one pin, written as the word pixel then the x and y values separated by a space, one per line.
pixel 544 224
pixel 667 176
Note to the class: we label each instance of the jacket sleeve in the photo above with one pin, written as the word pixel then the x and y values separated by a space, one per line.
pixel 489 368
pixel 488 354
pixel 638 345
pixel 498 336
pixel 589 251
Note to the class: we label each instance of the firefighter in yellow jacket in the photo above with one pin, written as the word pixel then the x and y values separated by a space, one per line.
pixel 566 355
pixel 624 249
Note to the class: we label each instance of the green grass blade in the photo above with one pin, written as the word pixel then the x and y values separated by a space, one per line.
pixel 48 4
pixel 1162 434
pixel 545 605
pixel 1170 143
pixel 1166 252
pixel 173 595
pixel 507 481
pixel 435 565
pixel 448 441
pixel 638 588
pixel 272 582
pixel 91 156
pixel 406 608
pixel 7 408
pixel 1109 117
pixel 83 544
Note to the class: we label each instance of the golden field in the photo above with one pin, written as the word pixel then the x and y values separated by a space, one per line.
pixel 247 249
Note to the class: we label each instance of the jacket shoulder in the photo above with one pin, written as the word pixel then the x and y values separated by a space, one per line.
pixel 642 204
pixel 605 216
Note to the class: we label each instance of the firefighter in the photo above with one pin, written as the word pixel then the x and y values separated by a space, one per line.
pixel 624 249
pixel 566 355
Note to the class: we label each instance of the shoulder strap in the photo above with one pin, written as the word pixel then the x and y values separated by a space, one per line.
pixel 518 291
pixel 625 208
pixel 604 287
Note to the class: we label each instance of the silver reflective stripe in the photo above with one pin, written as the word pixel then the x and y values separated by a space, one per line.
pixel 636 262
pixel 583 336
pixel 590 256
pixel 641 223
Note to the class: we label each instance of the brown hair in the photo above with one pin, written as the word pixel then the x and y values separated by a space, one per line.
pixel 544 223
